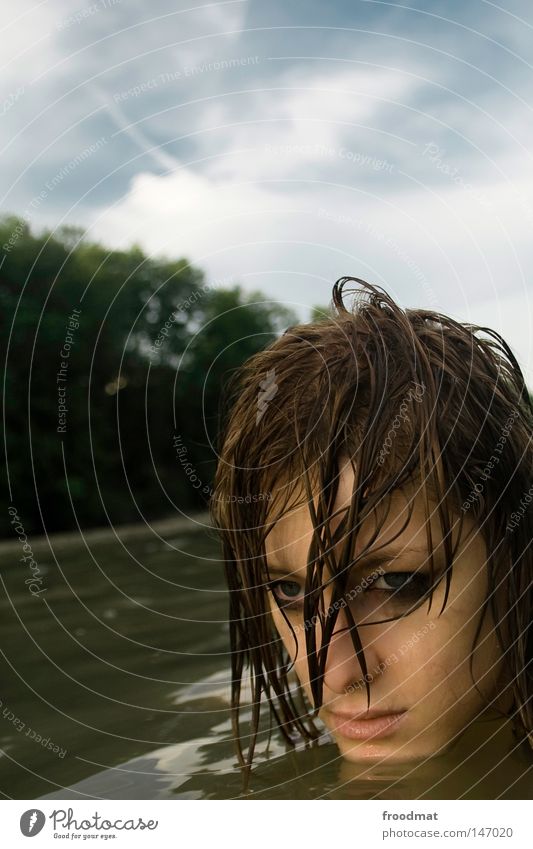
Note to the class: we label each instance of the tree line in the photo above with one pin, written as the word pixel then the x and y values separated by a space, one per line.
pixel 112 359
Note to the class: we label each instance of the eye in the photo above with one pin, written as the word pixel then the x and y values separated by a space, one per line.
pixel 287 592
pixel 413 583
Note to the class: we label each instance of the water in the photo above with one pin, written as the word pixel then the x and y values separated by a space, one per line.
pixel 115 685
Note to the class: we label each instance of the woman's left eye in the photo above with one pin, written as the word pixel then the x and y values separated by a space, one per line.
pixel 398 582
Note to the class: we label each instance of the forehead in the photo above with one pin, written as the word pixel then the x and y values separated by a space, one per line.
pixel 288 541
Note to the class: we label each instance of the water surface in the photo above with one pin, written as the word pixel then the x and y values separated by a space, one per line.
pixel 115 685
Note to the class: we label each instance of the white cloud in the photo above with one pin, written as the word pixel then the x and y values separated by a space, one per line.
pixel 305 117
pixel 195 210
pixel 450 248
pixel 28 47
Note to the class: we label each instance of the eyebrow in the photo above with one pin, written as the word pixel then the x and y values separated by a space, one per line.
pixel 372 558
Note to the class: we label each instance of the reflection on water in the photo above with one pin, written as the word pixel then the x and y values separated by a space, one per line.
pixel 204 768
pixel 122 665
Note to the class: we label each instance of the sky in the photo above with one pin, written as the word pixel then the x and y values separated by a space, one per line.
pixel 283 145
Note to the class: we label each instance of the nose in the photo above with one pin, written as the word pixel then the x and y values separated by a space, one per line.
pixel 343 671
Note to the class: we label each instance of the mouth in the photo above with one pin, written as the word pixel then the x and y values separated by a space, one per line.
pixel 365 726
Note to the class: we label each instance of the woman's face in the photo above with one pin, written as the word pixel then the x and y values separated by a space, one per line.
pixel 421 691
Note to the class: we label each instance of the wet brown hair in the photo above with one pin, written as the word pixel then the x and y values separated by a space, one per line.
pixel 409 396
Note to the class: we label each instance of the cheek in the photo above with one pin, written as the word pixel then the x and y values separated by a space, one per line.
pixel 293 640
pixel 420 655
pixel 434 662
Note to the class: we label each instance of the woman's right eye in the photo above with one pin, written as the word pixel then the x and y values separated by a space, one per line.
pixel 287 593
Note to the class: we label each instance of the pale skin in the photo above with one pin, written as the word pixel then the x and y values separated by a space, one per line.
pixel 418 664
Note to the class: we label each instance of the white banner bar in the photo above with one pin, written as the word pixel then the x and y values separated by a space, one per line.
pixel 268 824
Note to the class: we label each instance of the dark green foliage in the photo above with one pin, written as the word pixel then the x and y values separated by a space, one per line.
pixel 153 348
pixel 320 313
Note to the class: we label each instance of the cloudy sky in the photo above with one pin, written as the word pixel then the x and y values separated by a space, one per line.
pixel 282 145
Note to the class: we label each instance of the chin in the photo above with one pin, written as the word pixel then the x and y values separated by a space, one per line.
pixel 368 752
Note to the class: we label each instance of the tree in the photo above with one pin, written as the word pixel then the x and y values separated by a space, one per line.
pixel 135 349
pixel 320 313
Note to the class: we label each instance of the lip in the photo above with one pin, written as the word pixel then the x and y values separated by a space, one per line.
pixel 365 726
